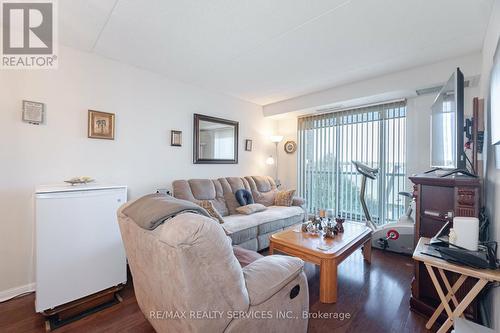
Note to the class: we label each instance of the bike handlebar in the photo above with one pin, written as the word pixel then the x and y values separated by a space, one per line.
pixel 365 170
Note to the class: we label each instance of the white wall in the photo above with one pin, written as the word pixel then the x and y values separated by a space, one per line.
pixel 391 86
pixel 492 181
pixel 147 107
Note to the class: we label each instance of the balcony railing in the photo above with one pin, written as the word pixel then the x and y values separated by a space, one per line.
pixel 328 189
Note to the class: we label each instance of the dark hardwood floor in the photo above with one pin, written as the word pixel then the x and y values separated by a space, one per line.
pixel 375 296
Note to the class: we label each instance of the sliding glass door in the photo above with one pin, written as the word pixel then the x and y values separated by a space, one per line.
pixel 375 136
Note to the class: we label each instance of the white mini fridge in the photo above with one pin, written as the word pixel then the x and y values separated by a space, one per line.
pixel 79 249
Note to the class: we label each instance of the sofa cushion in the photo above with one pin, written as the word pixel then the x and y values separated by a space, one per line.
pixel 229 187
pixel 266 198
pixel 263 189
pixel 274 218
pixel 284 198
pixel 263 183
pixel 209 207
pixel 201 189
pixel 251 209
pixel 237 183
pixel 243 235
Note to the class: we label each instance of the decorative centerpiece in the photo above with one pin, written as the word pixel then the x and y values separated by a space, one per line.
pixel 339 226
pixel 310 227
pixel 322 223
pixel 79 180
pixel 329 231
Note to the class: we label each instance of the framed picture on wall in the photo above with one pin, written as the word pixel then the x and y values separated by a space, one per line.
pixel 101 125
pixel 248 145
pixel 176 138
pixel 33 112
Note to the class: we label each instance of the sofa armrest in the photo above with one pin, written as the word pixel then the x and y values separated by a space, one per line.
pixel 266 276
pixel 298 201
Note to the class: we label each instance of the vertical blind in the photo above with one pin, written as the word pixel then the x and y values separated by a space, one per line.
pixel 373 135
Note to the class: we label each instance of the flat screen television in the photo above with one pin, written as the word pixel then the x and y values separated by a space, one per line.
pixel 447 125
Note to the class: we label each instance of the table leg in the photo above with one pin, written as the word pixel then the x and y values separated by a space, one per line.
pixel 439 290
pixel 328 281
pixel 463 305
pixel 459 310
pixel 367 251
pixel 440 308
pixel 271 248
pixel 448 286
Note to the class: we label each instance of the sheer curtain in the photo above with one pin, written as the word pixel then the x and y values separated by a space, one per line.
pixel 374 135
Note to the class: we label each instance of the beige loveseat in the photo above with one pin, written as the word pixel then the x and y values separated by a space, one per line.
pixel 249 231
pixel 187 279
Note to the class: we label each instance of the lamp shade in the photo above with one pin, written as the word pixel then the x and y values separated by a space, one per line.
pixel 276 138
pixel 270 160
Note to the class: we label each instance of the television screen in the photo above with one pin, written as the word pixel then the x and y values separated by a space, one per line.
pixel 447 123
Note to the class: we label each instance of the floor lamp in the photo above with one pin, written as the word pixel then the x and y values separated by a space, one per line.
pixel 276 139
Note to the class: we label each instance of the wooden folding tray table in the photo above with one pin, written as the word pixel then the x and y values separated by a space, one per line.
pixel 483 275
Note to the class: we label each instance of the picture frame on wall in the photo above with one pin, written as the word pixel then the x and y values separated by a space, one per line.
pixel 101 125
pixel 208 150
pixel 248 145
pixel 33 112
pixel 176 138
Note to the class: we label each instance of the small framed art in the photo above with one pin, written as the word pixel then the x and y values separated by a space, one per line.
pixel 33 112
pixel 101 125
pixel 248 145
pixel 176 138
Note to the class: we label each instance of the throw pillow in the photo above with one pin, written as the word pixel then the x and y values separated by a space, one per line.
pixel 209 207
pixel 250 209
pixel 284 198
pixel 244 197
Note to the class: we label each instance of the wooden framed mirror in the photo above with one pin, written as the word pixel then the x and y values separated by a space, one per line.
pixel 215 140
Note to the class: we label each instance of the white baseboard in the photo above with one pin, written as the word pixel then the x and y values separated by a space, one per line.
pixel 13 292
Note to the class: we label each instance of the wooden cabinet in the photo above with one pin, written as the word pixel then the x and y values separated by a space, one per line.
pixel 435 198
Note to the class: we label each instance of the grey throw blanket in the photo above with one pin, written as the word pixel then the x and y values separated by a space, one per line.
pixel 152 210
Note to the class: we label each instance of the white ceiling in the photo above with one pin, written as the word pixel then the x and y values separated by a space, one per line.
pixel 265 51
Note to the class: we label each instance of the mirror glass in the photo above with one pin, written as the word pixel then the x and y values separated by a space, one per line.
pixel 216 140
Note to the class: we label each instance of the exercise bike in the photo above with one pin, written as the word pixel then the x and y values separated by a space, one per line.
pixel 394 236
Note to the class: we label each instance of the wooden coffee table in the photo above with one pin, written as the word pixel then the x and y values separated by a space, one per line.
pixel 305 246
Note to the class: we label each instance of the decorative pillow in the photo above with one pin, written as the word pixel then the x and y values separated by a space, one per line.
pixel 209 207
pixel 244 197
pixel 284 198
pixel 250 209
